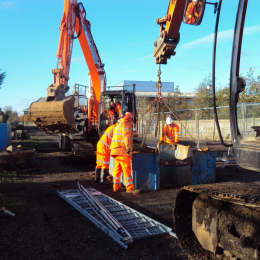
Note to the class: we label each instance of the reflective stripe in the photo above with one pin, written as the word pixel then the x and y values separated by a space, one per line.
pixel 129 178
pixel 111 131
pixel 104 162
pixel 126 128
pixel 108 135
pixel 103 142
pixel 116 178
pixel 130 183
pixel 116 182
pixel 117 141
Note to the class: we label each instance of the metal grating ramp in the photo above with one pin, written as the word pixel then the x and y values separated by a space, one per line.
pixel 124 223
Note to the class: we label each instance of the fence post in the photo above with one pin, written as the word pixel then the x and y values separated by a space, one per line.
pixel 197 128
pixel 244 118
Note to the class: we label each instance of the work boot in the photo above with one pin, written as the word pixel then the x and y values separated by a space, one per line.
pixel 97 174
pixel 135 191
pixel 104 175
pixel 109 178
pixel 117 187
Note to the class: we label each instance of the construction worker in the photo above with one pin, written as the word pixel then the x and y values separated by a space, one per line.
pixel 121 150
pixel 119 109
pixel 103 154
pixel 112 114
pixel 193 12
pixel 171 132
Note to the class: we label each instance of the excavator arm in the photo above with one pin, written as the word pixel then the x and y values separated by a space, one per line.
pixel 169 37
pixel 188 11
pixel 56 112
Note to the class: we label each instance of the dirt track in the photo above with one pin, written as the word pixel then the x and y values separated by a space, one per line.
pixel 45 227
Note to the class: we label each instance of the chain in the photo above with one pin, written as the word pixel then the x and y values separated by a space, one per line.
pixel 159 85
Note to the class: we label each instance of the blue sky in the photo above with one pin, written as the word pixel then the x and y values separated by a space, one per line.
pixel 124 32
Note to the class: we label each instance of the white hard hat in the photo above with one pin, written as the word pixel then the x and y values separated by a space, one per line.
pixel 169 120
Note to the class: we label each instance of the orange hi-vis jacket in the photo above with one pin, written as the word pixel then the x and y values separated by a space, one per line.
pixel 103 147
pixel 170 134
pixel 122 140
pixel 119 109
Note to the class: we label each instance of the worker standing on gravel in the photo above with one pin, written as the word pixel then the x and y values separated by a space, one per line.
pixel 171 132
pixel 103 154
pixel 121 150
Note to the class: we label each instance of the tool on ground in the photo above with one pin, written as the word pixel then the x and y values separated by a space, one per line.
pixel 120 222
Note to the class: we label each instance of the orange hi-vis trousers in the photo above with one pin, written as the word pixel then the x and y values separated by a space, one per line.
pixel 103 157
pixel 123 164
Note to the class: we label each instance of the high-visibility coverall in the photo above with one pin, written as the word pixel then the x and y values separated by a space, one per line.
pixel 170 134
pixel 119 109
pixel 103 148
pixel 111 115
pixel 121 150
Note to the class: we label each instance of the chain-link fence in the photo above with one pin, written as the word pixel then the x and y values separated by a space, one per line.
pixel 198 124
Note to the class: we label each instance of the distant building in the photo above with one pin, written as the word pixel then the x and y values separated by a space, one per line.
pixel 148 89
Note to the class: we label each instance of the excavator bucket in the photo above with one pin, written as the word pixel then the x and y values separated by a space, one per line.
pixel 55 116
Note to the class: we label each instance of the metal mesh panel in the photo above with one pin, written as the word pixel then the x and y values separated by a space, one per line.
pixel 199 124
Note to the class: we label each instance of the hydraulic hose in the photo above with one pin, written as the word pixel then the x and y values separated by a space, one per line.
pixel 213 76
pixel 77 11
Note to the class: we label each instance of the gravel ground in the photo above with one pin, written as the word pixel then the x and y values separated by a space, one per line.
pixel 46 227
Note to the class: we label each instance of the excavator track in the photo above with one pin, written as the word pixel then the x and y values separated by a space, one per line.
pixel 220 220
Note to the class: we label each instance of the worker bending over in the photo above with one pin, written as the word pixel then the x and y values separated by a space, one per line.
pixel 171 132
pixel 121 150
pixel 103 154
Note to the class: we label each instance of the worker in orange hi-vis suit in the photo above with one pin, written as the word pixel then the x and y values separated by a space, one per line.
pixel 121 150
pixel 119 109
pixel 112 113
pixel 103 154
pixel 192 12
pixel 171 132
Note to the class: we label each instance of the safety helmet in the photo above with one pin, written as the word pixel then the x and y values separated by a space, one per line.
pixel 129 115
pixel 169 120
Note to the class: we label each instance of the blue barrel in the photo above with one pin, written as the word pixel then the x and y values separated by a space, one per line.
pixel 146 171
pixel 5 135
pixel 204 168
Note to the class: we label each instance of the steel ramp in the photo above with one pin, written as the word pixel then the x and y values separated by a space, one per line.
pixel 131 223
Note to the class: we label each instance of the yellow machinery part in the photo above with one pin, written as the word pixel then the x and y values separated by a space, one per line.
pixel 54 115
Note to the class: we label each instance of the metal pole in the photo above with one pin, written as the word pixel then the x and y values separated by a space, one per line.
pixel 197 129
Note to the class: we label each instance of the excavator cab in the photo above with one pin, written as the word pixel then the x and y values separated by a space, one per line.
pixel 122 96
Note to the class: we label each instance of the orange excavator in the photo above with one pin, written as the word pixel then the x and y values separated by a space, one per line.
pixel 218 220
pixel 56 112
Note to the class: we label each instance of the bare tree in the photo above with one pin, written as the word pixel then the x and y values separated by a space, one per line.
pixel 2 76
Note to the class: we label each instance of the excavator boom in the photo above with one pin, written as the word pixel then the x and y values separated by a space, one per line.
pixel 56 112
pixel 169 37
